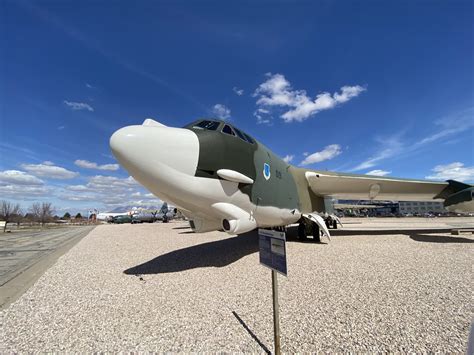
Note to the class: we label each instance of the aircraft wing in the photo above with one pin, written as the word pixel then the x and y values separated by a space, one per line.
pixel 367 187
pixel 457 196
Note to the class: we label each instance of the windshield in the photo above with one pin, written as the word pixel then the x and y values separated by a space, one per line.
pixel 210 125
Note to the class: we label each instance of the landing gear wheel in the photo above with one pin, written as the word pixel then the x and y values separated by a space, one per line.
pixel 302 235
pixel 334 224
pixel 316 234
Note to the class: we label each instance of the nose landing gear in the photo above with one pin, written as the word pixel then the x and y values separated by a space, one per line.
pixel 312 224
pixel 306 228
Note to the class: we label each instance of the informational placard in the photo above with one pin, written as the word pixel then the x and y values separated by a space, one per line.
pixel 273 250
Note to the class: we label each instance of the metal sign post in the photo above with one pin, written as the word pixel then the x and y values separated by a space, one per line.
pixel 273 255
pixel 276 313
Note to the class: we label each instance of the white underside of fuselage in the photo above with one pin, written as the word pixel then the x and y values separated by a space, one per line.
pixel 198 196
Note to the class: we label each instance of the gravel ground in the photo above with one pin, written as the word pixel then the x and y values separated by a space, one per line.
pixel 157 287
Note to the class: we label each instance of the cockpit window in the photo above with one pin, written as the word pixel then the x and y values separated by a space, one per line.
pixel 228 130
pixel 249 139
pixel 210 125
pixel 240 134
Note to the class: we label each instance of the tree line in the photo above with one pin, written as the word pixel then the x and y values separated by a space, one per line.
pixel 38 212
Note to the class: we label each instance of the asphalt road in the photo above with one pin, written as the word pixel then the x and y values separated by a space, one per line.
pixel 25 255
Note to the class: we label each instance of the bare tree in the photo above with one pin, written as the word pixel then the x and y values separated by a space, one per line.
pixel 8 212
pixel 43 212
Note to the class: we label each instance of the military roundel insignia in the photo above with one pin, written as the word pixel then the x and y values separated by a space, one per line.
pixel 266 171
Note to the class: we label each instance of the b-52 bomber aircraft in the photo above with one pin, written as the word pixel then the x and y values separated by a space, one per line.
pixel 223 179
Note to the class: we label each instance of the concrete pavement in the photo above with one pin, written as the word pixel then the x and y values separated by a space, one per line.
pixel 20 251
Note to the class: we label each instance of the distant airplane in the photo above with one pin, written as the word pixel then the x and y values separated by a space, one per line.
pixel 222 178
pixel 164 214
pixel 107 216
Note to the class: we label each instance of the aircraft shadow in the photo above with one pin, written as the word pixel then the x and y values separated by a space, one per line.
pixel 418 235
pixel 342 232
pixel 439 239
pixel 219 253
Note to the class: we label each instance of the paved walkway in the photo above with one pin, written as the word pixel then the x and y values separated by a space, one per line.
pixel 21 250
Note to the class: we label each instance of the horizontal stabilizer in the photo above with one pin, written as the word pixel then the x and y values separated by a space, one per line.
pixel 459 197
pixel 453 187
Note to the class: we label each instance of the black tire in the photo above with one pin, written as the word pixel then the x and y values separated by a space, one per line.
pixel 334 224
pixel 315 232
pixel 302 235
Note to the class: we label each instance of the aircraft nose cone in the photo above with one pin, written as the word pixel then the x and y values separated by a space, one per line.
pixel 139 148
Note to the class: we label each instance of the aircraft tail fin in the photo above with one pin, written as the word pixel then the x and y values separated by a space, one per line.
pixel 458 196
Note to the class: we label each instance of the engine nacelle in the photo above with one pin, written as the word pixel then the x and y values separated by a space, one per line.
pixel 239 226
pixel 199 225
pixel 234 219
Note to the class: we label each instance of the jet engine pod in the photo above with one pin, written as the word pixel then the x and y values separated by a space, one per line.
pixel 199 225
pixel 239 226
pixel 234 219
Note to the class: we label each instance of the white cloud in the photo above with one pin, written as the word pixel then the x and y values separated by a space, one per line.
pixel 263 116
pixel 451 125
pixel 79 106
pixel 91 165
pixel 277 91
pixel 101 188
pixel 221 111
pixel 20 185
pixel 79 197
pixel 378 172
pixel 48 170
pixel 453 171
pixel 89 86
pixel 388 147
pixel 238 91
pixel 77 188
pixel 15 177
pixel 288 158
pixel 100 182
pixel 24 192
pixel 145 203
pixel 329 152
pixel 109 191
pixel 60 128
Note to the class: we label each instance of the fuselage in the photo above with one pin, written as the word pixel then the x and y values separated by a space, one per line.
pixel 222 178
pixel 189 174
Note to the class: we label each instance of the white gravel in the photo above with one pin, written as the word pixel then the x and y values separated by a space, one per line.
pixel 388 293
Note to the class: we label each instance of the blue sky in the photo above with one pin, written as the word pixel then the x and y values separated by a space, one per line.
pixel 354 86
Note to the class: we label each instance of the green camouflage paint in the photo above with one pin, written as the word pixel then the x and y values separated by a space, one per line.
pixel 286 187
pixel 222 151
